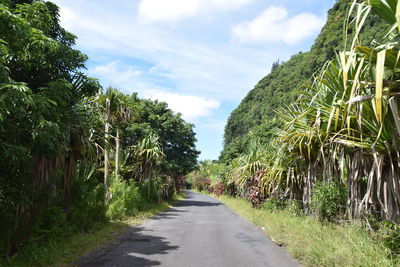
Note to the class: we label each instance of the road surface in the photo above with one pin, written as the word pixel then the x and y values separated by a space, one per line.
pixel 198 231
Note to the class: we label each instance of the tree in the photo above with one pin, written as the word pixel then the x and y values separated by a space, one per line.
pixel 147 154
pixel 114 105
pixel 41 125
pixel 176 137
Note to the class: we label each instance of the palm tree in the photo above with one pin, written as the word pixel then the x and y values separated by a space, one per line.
pixel 114 106
pixel 147 154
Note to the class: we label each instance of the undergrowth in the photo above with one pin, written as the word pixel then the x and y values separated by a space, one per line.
pixel 63 250
pixel 312 242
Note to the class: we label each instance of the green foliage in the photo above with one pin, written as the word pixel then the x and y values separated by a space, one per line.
pixel 41 90
pixel 52 141
pixel 148 155
pixel 89 206
pixel 176 137
pixel 274 204
pixel 209 176
pixel 125 199
pixel 328 200
pixel 66 249
pixel 159 188
pixel 342 128
pixel 389 232
pixel 52 223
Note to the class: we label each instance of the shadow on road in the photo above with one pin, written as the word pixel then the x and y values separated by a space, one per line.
pixel 196 203
pixel 131 250
pixel 168 214
pixel 187 202
pixel 172 212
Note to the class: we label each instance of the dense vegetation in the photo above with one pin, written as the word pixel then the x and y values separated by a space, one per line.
pixel 334 152
pixel 73 155
pixel 255 116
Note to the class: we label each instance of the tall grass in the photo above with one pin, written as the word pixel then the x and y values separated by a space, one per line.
pixel 314 243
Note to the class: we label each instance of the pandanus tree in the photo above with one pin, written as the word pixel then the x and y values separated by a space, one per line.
pixel 148 155
pixel 120 112
pixel 114 105
pixel 345 126
pixel 245 166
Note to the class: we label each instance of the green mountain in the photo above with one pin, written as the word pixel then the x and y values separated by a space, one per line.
pixel 255 115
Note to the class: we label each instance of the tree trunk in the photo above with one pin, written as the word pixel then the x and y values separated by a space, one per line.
pixel 106 155
pixel 117 153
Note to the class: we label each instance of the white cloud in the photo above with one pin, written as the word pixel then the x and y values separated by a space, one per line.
pixel 174 10
pixel 116 72
pixel 193 66
pixel 273 25
pixel 196 67
pixel 191 107
pixel 67 16
pixel 122 75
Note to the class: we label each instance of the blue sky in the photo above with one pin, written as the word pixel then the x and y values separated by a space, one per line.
pixel 200 56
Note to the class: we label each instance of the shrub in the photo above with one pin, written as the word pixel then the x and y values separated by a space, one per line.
pixel 157 188
pixel 389 232
pixel 203 183
pixel 89 207
pixel 294 207
pixel 125 199
pixel 219 189
pixel 51 223
pixel 328 200
pixel 274 204
pixel 180 183
pixel 207 183
pixel 254 190
pixel 291 206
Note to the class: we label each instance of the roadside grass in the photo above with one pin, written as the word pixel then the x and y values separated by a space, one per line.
pixel 314 243
pixel 64 251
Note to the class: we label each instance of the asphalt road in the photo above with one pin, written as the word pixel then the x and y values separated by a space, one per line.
pixel 198 231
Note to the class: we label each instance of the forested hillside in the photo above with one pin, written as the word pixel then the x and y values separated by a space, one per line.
pixel 281 86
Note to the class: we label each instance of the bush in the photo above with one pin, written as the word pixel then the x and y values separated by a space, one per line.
pixel 125 199
pixel 180 183
pixel 149 189
pixel 157 188
pixel 274 204
pixel 89 207
pixel 203 183
pixel 294 207
pixel 207 183
pixel 219 189
pixel 254 190
pixel 291 206
pixel 389 232
pixel 328 200
pixel 52 223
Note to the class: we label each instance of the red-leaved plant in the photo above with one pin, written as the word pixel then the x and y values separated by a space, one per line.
pixel 254 189
pixel 219 189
